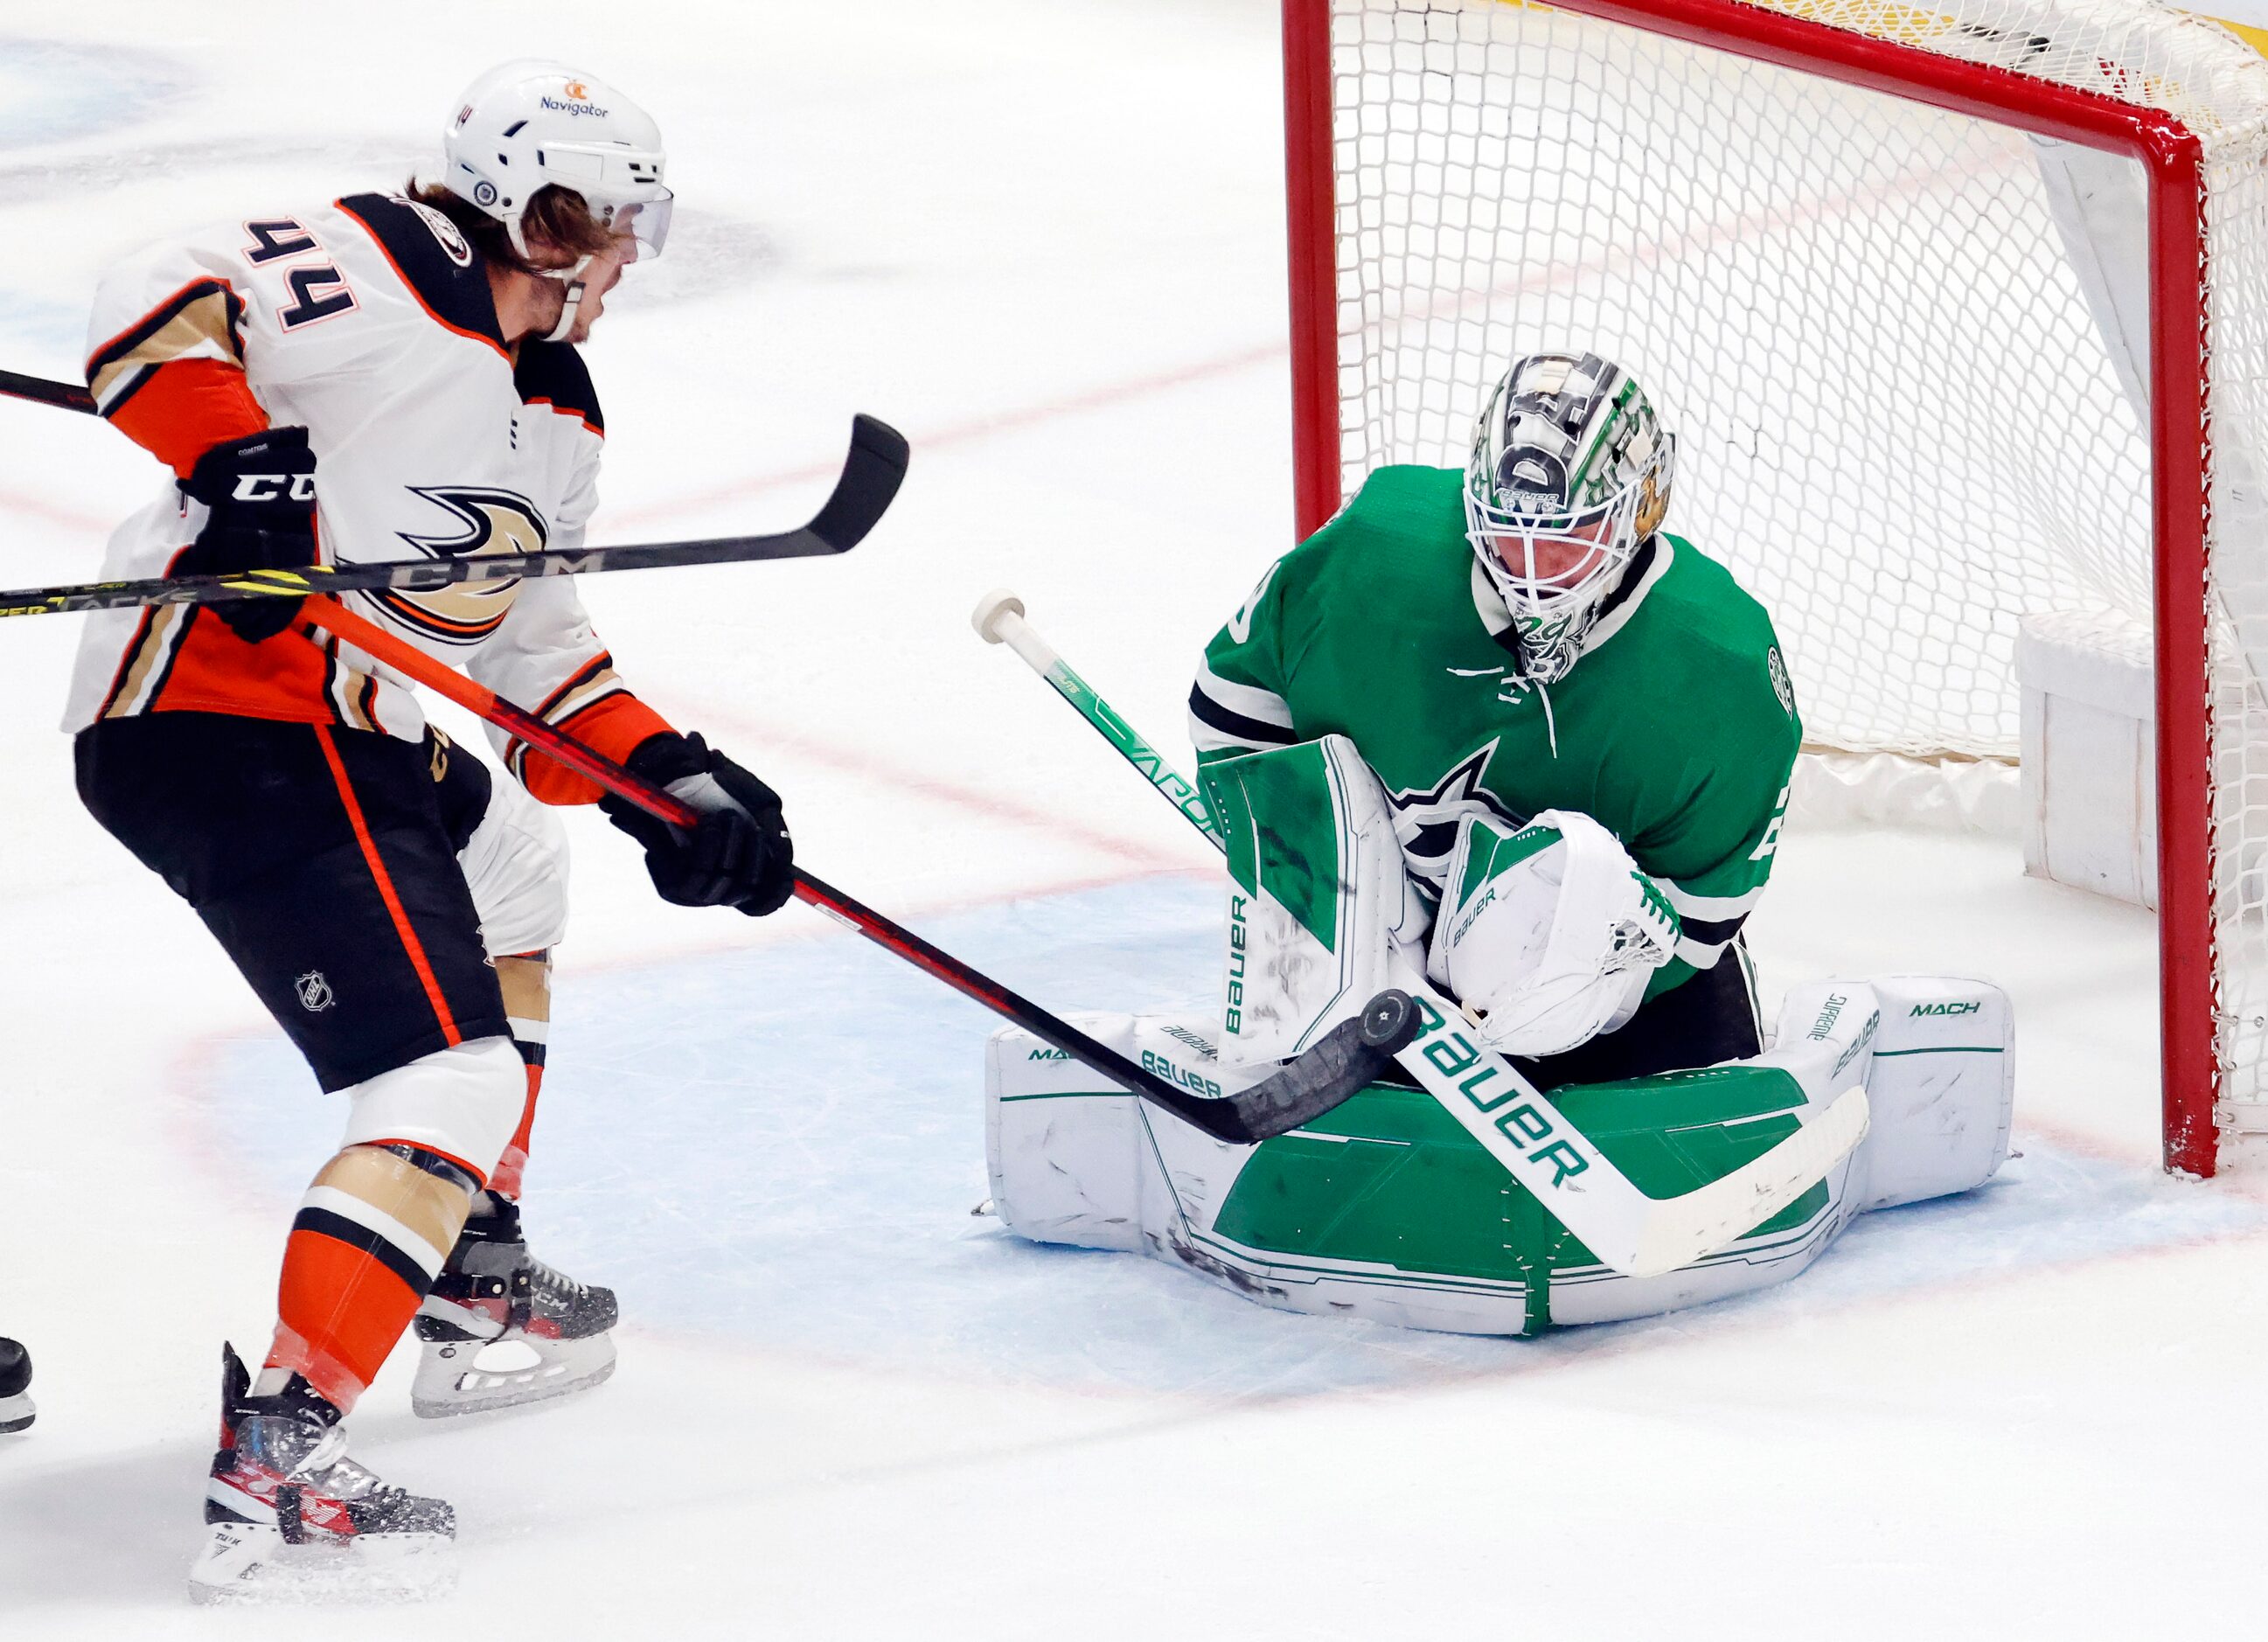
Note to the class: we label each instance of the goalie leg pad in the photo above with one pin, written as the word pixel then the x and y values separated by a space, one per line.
pixel 1941 1083
pixel 1319 896
pixel 1386 1210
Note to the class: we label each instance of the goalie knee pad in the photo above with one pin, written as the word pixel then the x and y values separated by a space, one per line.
pixel 462 1102
pixel 1547 934
pixel 515 864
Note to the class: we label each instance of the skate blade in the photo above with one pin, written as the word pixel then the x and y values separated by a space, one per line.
pixel 248 1561
pixel 473 1376
pixel 15 1413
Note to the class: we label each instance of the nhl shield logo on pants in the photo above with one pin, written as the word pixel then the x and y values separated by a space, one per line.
pixel 314 992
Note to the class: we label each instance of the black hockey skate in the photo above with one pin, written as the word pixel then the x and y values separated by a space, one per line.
pixel 15 1386
pixel 501 1327
pixel 289 1516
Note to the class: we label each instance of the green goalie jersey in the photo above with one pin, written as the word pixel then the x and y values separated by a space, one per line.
pixel 1676 730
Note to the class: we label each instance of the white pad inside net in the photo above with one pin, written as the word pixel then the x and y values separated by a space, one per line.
pixel 1900 419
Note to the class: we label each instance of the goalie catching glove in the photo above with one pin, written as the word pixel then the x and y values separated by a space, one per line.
pixel 740 856
pixel 1549 934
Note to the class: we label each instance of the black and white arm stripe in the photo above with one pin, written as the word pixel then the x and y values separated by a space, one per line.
pixel 1710 921
pixel 1225 714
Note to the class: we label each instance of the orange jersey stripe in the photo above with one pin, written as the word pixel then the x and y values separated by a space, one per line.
pixel 411 943
pixel 183 409
pixel 613 725
pixel 567 410
pixel 212 670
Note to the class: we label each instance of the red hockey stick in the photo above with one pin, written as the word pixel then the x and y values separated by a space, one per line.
pixel 1346 1060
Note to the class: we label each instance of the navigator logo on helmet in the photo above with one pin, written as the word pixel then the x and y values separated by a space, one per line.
pixel 1570 473
pixel 530 122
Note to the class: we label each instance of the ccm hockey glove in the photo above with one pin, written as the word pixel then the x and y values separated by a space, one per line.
pixel 259 493
pixel 740 856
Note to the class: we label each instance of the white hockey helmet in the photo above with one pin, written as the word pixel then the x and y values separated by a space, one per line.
pixel 1570 473
pixel 530 122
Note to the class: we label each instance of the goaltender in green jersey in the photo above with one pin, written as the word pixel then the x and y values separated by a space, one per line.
pixel 1524 638
pixel 1502 728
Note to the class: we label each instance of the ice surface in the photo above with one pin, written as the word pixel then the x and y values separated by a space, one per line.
pixel 1045 240
pixel 829 1094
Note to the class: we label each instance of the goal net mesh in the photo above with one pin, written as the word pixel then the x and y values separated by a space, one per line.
pixel 1898 419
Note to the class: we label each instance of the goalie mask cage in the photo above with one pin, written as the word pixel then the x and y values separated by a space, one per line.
pixel 1817 232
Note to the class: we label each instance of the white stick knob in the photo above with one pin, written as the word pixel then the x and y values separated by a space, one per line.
pixel 993 610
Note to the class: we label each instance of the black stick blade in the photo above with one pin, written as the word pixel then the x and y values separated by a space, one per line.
pixel 1352 1056
pixel 871 474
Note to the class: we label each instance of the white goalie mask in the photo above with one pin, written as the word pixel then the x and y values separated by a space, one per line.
pixel 1570 473
pixel 529 122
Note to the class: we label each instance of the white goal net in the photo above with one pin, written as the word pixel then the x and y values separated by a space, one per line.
pixel 1910 404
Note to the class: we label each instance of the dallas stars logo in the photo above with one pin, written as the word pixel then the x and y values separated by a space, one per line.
pixel 1425 820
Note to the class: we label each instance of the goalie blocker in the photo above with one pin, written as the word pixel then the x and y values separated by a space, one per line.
pixel 1387 1209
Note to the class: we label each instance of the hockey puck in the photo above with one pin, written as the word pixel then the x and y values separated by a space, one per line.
pixel 1389 1020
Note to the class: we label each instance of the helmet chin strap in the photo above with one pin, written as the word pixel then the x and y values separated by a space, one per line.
pixel 572 278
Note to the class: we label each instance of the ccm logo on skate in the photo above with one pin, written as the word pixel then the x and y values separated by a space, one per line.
pixel 1453 1055
pixel 1968 1008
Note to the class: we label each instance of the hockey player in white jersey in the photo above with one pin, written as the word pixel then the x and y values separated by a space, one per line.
pixel 383 378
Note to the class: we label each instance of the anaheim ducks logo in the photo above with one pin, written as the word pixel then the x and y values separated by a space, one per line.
pixel 494 523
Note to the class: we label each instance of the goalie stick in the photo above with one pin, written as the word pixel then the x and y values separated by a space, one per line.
pixel 1350 1056
pixel 999 619
pixel 871 473
pixel 1637 1235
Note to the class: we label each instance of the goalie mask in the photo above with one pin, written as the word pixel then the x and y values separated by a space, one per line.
pixel 1569 474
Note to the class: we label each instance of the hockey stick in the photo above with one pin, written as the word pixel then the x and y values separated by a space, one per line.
pixel 1517 1125
pixel 63 395
pixel 999 619
pixel 871 474
pixel 1350 1056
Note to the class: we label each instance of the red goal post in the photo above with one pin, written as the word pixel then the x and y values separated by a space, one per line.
pixel 1348 61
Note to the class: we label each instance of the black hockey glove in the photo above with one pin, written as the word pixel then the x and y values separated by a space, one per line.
pixel 260 492
pixel 740 856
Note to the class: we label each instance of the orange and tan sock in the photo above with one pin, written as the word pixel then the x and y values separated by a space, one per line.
pixel 370 1237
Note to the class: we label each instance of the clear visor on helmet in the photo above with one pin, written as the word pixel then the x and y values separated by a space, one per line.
pixel 644 221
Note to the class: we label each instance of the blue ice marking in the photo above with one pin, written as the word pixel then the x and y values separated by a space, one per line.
pixel 52 91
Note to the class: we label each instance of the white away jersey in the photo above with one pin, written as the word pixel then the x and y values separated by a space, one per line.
pixel 370 322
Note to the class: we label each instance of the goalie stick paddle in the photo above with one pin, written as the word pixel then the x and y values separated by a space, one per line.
pixel 1349 1058
pixel 1517 1125
pixel 871 473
